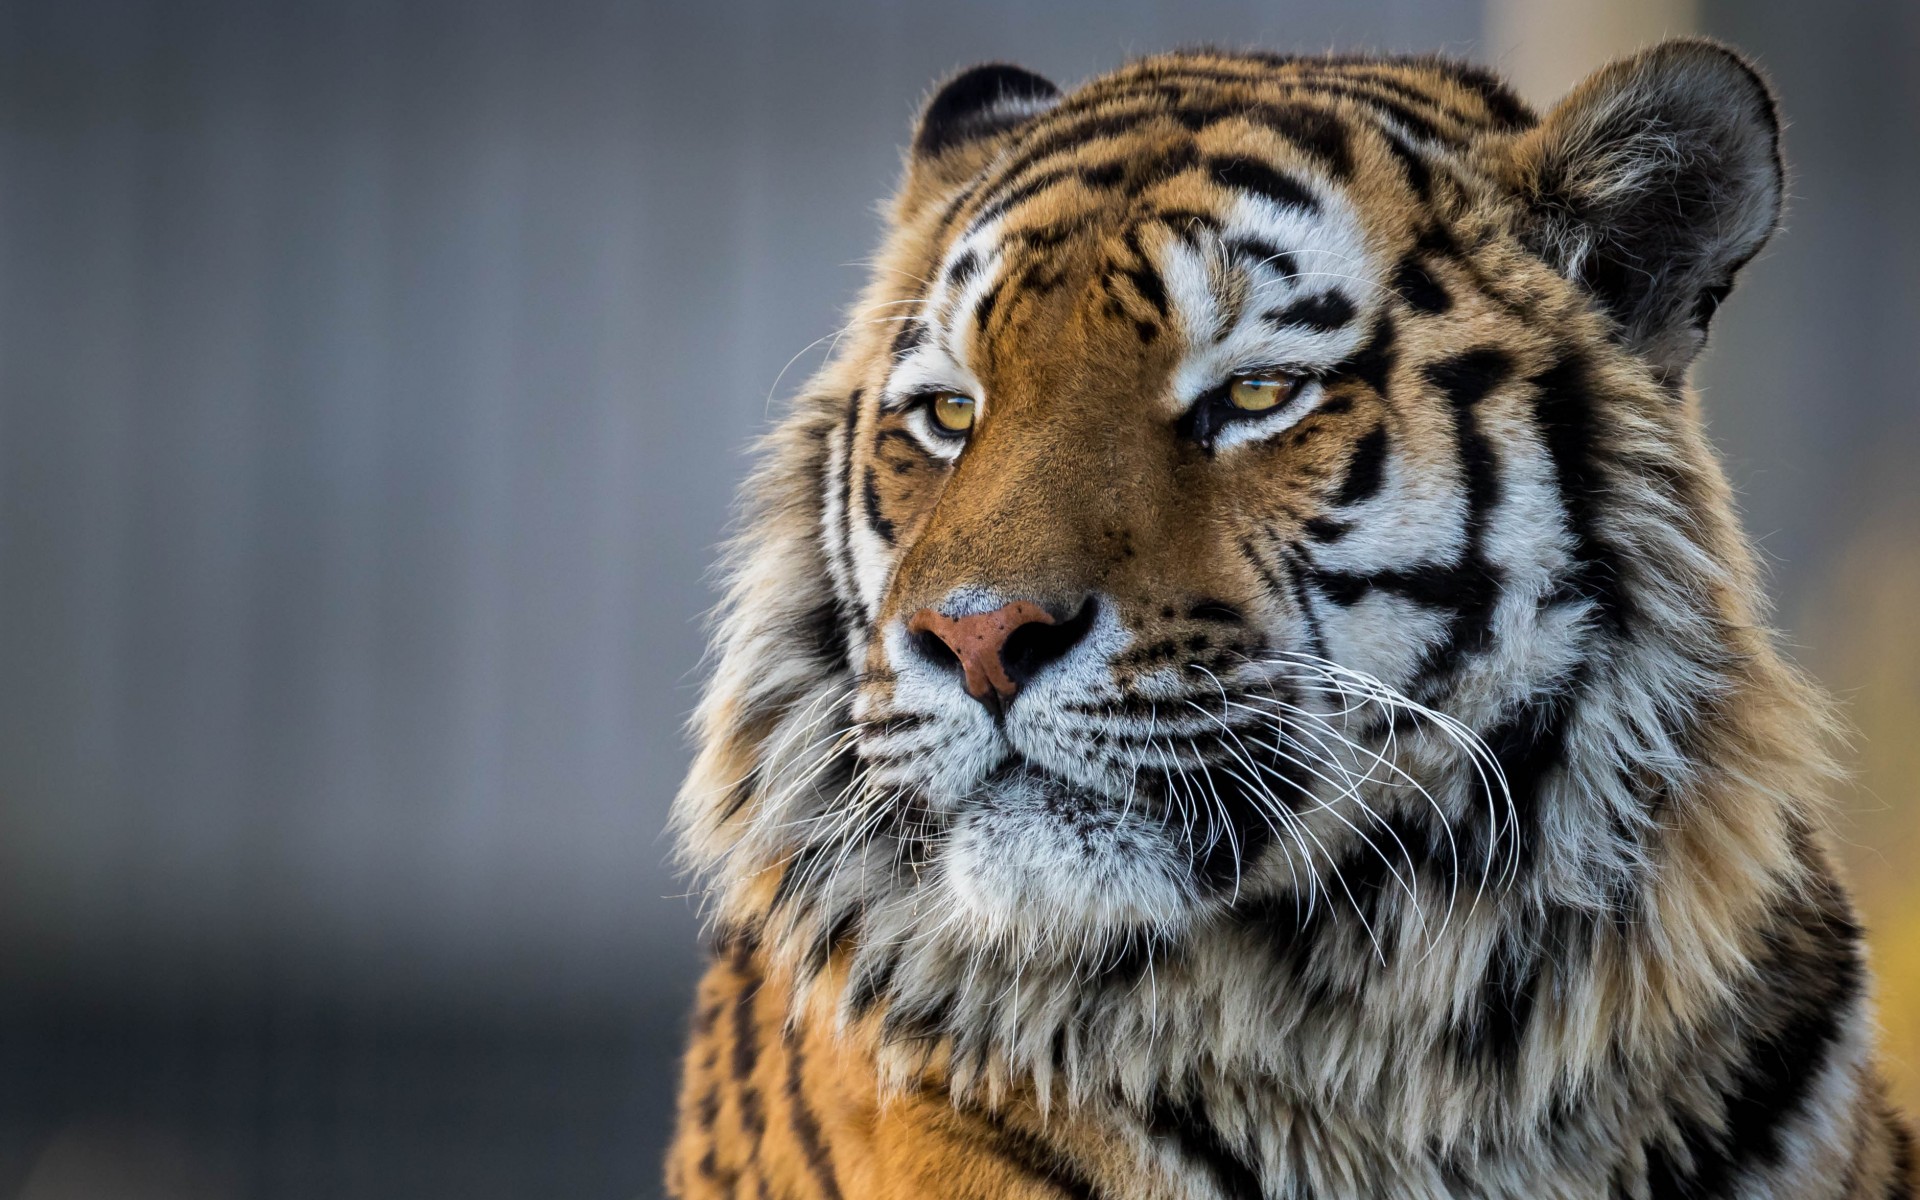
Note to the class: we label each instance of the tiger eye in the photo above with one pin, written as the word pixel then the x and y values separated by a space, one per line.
pixel 1258 393
pixel 952 412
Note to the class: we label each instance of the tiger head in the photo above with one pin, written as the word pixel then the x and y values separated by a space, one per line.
pixel 1247 484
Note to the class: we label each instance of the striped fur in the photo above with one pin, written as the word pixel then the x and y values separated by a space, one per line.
pixel 1419 807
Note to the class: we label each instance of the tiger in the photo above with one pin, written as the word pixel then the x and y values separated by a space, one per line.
pixel 1241 677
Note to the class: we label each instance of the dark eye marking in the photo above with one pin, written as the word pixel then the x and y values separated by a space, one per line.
pixel 1215 409
pixel 1324 313
pixel 1366 469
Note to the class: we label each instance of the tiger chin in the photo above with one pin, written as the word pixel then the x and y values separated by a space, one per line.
pixel 1241 677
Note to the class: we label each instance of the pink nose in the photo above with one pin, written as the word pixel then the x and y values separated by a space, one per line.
pixel 979 642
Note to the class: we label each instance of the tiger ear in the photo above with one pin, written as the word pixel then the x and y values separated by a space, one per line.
pixel 967 119
pixel 1651 184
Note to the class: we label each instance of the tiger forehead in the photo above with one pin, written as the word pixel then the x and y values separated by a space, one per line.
pixel 1164 159
pixel 1331 112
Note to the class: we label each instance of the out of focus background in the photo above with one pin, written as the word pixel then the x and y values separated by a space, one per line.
pixel 374 379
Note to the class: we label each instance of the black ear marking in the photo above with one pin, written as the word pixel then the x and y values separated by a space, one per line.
pixel 1651 185
pixel 980 102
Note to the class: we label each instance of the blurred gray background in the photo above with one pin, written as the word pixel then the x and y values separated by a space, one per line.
pixel 374 381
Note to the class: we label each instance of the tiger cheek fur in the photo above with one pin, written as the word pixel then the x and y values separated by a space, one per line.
pixel 1241 676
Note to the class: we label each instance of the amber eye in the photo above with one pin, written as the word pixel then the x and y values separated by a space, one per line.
pixel 1258 393
pixel 952 412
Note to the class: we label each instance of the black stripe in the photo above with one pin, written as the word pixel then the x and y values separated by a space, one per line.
pixel 1430 585
pixel 1372 363
pixel 1567 411
pixel 923 1021
pixel 1900 1187
pixel 830 939
pixel 1419 175
pixel 823 630
pixel 844 485
pixel 1420 126
pixel 739 795
pixel 806 1128
pixel 1033 1157
pixel 1467 378
pixel 1146 281
pixel 1530 745
pixel 1383 94
pixel 870 986
pixel 983 311
pixel 911 334
pixel 1184 220
pixel 1144 278
pixel 1508 111
pixel 1326 529
pixel 1824 984
pixel 1068 130
pixel 798 871
pixel 1314 130
pixel 1142 174
pixel 963 269
pixel 1256 252
pixel 1374 75
pixel 1039 278
pixel 1322 313
pixel 1814 966
pixel 1415 285
pixel 1249 175
pixel 1366 469
pixel 1045 237
pixel 876 520
pixel 1496 1026
pixel 1134 951
pixel 1019 195
pixel 746 1055
pixel 1274 583
pixel 1197 1139
pixel 1470 586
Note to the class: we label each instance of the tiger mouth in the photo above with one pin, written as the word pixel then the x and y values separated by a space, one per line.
pixel 1214 820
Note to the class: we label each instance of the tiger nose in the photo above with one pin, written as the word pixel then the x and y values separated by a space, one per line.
pixel 998 651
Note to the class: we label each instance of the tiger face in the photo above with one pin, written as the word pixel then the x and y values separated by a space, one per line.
pixel 1233 470
pixel 1129 472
